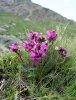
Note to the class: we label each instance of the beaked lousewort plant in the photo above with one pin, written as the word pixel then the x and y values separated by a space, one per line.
pixel 44 56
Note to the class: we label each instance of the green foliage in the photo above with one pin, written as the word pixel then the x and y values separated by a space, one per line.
pixel 23 26
pixel 54 78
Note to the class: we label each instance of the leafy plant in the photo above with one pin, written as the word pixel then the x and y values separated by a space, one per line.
pixel 43 65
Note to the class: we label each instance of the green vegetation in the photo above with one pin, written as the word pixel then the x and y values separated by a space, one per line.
pixel 56 77
pixel 24 26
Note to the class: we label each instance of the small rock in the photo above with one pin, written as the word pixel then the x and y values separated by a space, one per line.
pixel 2 29
pixel 4 83
pixel 5 27
pixel 9 40
pixel 13 24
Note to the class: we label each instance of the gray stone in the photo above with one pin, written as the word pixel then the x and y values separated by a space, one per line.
pixel 12 23
pixel 9 40
pixel 31 11
pixel 2 29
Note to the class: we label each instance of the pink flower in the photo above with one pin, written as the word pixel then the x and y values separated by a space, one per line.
pixel 38 51
pixel 40 48
pixel 25 43
pixel 43 46
pixel 36 36
pixel 14 47
pixel 42 53
pixel 62 51
pixel 51 35
pixel 33 36
pixel 35 56
pixel 36 46
pixel 28 45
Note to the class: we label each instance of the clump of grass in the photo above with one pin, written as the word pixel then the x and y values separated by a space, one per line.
pixel 54 79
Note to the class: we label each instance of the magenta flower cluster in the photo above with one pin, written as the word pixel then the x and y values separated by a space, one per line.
pixel 37 45
pixel 14 47
pixel 51 35
pixel 61 50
